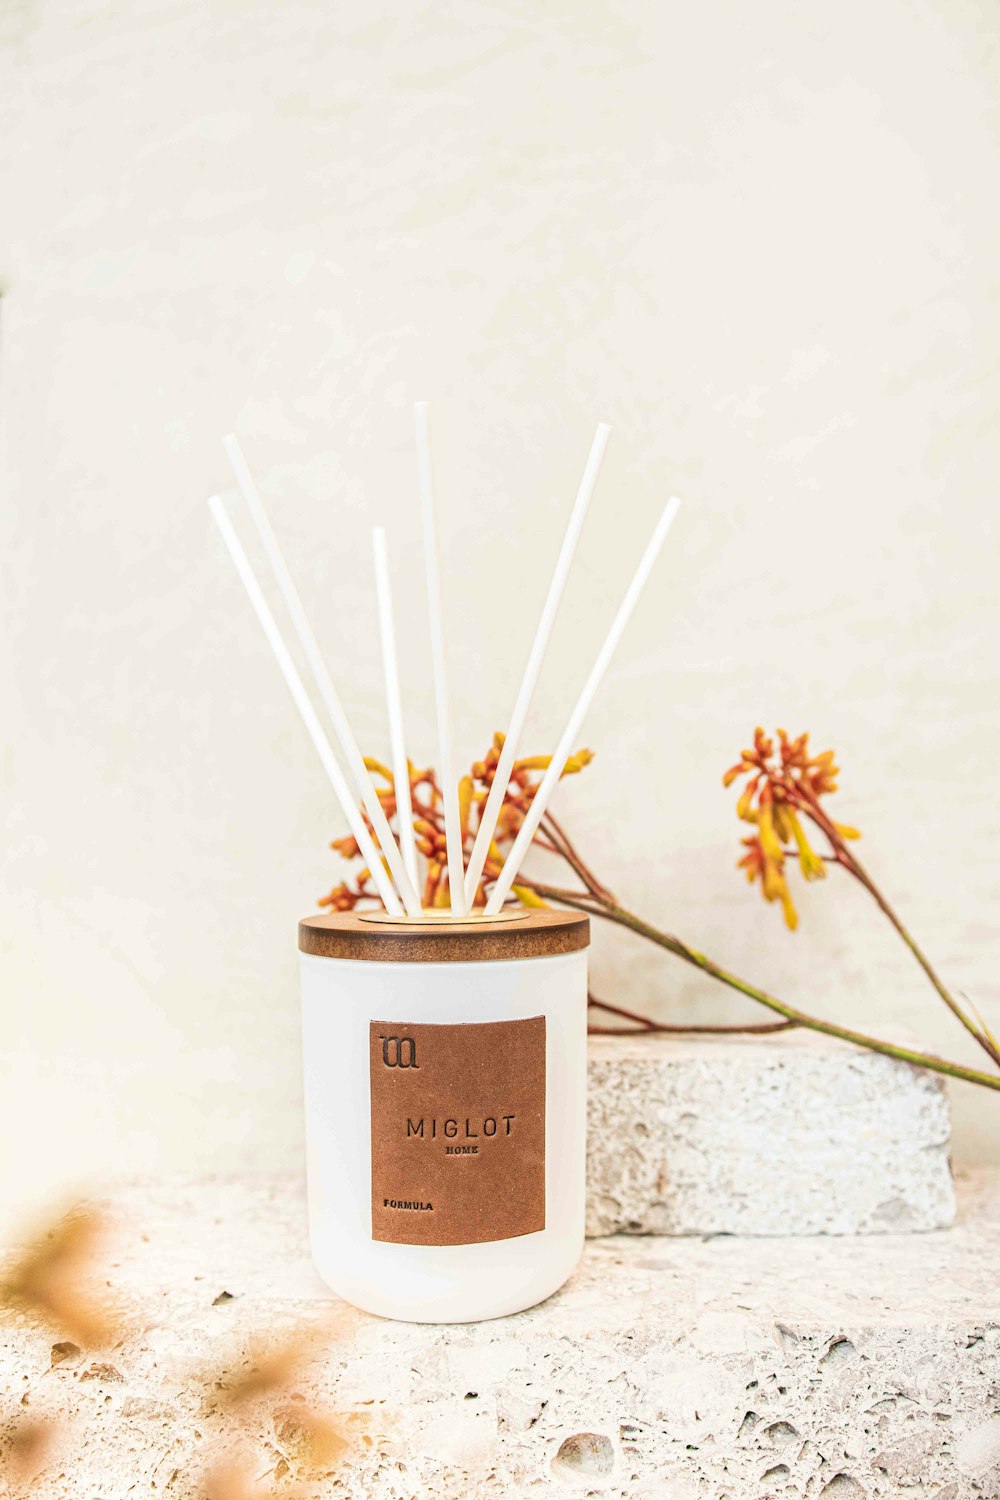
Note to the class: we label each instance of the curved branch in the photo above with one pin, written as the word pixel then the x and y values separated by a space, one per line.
pixel 623 918
pixel 758 1028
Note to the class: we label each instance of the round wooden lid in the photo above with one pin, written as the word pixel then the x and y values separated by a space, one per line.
pixel 536 934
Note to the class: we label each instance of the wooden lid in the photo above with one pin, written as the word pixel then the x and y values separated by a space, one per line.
pixel 536 934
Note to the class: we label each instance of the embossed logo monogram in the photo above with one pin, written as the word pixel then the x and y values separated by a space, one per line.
pixel 399 1052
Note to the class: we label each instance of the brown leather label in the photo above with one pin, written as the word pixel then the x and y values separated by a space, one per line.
pixel 458 1131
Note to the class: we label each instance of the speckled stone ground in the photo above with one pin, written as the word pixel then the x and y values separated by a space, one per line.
pixel 709 1368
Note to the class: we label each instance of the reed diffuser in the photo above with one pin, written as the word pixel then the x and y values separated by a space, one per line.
pixel 444 1050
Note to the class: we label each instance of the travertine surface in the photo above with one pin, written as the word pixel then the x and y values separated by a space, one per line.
pixel 694 1369
pixel 787 1134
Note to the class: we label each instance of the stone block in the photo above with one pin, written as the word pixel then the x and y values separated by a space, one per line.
pixel 787 1134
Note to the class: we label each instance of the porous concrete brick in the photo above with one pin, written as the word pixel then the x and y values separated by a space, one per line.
pixel 777 1135
pixel 834 1369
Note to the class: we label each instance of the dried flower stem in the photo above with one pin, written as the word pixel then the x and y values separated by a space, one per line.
pixel 571 855
pixel 656 1027
pixel 849 861
pixel 612 912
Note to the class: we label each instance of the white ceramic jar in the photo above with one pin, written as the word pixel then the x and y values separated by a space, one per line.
pixel 445 1097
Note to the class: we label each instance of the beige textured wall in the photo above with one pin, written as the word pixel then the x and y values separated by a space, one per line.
pixel 761 240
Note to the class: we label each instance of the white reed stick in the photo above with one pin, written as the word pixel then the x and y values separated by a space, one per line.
pixel 446 765
pixel 501 777
pixel 549 782
pixel 394 703
pixel 357 770
pixel 295 686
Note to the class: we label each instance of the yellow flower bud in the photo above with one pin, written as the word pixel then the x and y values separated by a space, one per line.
pixel 464 803
pixel 788 907
pixel 533 763
pixel 810 863
pixel 770 843
pixel 529 898
pixel 782 822
pixel 577 761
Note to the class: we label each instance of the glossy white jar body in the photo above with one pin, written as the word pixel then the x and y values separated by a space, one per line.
pixel 431 1283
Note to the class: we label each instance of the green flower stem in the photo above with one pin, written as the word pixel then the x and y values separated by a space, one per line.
pixel 861 874
pixel 849 861
pixel 645 1024
pixel 612 912
pixel 574 858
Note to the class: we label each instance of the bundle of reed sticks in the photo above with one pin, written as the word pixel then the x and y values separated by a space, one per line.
pixel 394 865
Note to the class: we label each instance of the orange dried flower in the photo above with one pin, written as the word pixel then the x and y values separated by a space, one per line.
pixel 270 1368
pixel 428 823
pixel 54 1279
pixel 347 847
pixel 29 1444
pixel 783 785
